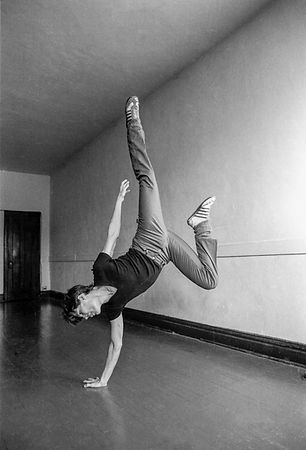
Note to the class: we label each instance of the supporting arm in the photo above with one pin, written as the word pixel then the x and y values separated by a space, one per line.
pixel 112 356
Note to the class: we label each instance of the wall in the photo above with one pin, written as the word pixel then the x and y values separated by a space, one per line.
pixel 233 125
pixel 27 192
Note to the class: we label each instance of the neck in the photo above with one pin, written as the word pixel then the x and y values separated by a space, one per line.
pixel 104 293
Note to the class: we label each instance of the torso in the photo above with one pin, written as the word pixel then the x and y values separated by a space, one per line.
pixel 131 274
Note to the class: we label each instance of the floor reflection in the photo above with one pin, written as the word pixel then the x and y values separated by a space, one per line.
pixel 25 333
pixel 118 431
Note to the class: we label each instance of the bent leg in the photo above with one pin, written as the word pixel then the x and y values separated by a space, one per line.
pixel 200 268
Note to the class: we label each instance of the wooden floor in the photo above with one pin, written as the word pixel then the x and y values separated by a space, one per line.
pixel 167 392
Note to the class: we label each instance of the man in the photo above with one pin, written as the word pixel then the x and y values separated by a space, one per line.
pixel 117 281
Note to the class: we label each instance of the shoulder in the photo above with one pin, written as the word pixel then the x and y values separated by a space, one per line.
pixel 113 311
pixel 102 258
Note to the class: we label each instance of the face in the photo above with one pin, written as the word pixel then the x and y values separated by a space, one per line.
pixel 90 305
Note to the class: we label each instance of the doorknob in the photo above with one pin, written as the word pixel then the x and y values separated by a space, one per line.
pixel 11 264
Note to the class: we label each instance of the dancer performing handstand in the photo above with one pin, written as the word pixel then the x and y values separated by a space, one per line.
pixel 117 281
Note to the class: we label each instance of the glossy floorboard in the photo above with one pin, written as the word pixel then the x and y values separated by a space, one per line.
pixel 168 392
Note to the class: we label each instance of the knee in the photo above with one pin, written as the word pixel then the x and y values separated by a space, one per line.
pixel 214 282
pixel 211 282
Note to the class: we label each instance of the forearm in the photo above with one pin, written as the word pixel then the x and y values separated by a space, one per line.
pixel 115 223
pixel 111 361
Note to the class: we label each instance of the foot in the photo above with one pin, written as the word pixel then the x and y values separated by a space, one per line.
pixel 202 213
pixel 132 109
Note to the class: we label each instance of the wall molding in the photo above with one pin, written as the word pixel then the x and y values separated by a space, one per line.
pixel 280 247
pixel 247 249
pixel 255 255
pixel 288 352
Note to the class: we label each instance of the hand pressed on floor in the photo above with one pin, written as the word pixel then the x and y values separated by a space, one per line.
pixel 94 383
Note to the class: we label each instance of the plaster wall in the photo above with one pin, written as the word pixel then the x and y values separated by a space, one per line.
pixel 233 125
pixel 27 192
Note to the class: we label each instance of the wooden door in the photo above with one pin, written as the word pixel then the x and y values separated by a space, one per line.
pixel 21 255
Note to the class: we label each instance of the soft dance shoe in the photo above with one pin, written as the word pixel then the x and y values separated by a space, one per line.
pixel 201 214
pixel 132 109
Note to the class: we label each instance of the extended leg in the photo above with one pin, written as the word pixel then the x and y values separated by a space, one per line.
pixel 151 234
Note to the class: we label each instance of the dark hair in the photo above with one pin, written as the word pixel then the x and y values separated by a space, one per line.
pixel 71 302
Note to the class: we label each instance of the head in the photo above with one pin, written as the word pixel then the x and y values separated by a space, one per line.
pixel 82 302
pixel 72 302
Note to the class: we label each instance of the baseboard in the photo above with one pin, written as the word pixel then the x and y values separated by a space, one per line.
pixel 54 296
pixel 274 348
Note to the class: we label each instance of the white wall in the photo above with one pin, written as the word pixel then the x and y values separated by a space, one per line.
pixel 233 124
pixel 27 192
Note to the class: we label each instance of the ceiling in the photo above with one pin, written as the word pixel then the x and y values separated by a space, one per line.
pixel 68 65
